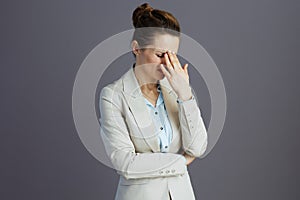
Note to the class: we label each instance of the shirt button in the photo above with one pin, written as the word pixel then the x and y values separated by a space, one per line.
pixel 166 146
pixel 155 112
pixel 161 128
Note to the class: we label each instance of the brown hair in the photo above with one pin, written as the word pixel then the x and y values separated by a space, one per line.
pixel 146 16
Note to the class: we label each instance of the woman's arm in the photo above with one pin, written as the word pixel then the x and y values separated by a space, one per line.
pixel 120 148
pixel 194 134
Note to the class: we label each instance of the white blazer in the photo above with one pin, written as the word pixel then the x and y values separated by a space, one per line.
pixel 131 142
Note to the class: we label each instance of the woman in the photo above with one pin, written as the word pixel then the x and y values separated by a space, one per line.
pixel 151 124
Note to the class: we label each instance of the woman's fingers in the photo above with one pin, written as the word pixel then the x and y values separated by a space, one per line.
pixel 168 63
pixel 174 67
pixel 174 61
pixel 165 71
pixel 185 68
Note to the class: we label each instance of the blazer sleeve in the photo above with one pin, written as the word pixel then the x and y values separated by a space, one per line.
pixel 194 134
pixel 120 149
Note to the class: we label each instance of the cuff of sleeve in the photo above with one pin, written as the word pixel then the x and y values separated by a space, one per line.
pixel 180 101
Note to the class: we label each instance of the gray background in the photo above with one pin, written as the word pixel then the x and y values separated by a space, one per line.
pixel 254 43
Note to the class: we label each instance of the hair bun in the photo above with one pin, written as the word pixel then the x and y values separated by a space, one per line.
pixel 139 11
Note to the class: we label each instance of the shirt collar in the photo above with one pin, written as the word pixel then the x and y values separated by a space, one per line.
pixel 160 99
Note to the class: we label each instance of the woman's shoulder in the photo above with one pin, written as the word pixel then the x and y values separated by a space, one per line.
pixel 111 89
pixel 116 87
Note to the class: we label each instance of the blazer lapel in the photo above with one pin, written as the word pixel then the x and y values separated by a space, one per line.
pixel 139 110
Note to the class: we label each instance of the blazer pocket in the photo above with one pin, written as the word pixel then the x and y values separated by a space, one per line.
pixel 124 181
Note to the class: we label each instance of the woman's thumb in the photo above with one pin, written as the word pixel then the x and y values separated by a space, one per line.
pixel 185 68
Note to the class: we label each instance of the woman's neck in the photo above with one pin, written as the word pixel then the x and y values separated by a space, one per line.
pixel 147 85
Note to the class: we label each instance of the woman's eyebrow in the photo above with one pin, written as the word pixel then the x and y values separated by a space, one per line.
pixel 161 51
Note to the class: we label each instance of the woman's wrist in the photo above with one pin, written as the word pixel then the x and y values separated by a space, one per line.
pixel 186 96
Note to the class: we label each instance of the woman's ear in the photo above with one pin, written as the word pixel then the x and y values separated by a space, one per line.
pixel 135 47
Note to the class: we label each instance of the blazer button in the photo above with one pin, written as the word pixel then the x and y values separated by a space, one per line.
pixel 160 172
pixel 173 170
pixel 167 171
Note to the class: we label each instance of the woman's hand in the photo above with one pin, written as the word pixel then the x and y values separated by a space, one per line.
pixel 189 159
pixel 177 76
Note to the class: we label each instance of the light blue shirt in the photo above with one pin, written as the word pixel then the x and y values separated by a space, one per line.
pixel 161 120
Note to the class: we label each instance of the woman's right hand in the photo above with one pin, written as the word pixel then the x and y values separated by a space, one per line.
pixel 177 76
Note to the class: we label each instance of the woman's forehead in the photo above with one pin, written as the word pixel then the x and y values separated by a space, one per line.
pixel 163 43
pixel 161 49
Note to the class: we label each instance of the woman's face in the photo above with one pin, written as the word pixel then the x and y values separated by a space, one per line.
pixel 150 58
